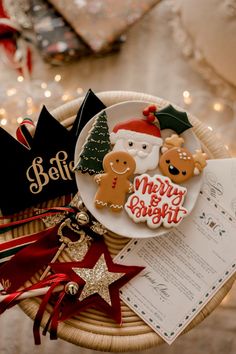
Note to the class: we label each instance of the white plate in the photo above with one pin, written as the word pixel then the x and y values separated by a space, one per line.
pixel 120 223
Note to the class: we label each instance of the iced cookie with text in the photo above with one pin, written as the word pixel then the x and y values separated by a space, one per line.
pixel 157 201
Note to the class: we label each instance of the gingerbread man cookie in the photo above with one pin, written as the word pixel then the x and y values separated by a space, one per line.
pixel 114 184
pixel 178 163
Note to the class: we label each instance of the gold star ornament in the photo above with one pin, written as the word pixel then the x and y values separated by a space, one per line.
pixel 97 280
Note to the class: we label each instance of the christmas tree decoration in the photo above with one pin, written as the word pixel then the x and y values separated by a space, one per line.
pixel 96 146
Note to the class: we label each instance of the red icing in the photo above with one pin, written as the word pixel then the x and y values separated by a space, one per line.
pixel 156 200
pixel 146 111
pixel 162 187
pixel 114 182
pixel 152 108
pixel 151 118
pixel 138 126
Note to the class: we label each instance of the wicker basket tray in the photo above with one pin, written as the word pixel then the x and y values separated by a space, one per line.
pixel 93 329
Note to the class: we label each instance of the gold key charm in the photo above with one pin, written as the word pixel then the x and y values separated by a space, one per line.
pixel 77 249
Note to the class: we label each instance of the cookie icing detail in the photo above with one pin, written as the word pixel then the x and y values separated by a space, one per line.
pixel 156 200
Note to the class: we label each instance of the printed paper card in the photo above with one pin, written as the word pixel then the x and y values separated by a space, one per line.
pixel 184 269
pixel 220 183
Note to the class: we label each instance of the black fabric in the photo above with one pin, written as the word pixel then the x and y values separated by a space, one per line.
pixel 44 172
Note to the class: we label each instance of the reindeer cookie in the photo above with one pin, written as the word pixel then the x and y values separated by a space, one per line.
pixel 178 163
pixel 114 184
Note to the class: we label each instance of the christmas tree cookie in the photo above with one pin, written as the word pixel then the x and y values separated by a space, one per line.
pixel 96 146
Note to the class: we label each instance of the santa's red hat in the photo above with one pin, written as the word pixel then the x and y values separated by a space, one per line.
pixel 137 129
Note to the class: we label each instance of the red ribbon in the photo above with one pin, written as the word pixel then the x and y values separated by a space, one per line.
pixel 29 260
pixel 11 299
pixel 23 134
pixel 26 218
pixel 52 281
pixel 33 257
pixel 54 317
pixel 8 39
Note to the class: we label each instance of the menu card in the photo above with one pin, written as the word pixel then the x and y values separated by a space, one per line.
pixel 186 267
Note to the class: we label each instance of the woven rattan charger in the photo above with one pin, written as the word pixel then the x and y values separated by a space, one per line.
pixel 93 329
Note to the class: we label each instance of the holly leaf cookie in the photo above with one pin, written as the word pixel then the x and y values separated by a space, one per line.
pixel 171 118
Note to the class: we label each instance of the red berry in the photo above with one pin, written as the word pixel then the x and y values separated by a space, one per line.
pixel 150 118
pixel 152 108
pixel 146 111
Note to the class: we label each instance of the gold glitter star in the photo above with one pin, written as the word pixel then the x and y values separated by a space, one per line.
pixel 97 280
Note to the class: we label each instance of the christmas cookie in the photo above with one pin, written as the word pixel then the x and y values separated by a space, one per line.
pixel 96 146
pixel 178 163
pixel 141 138
pixel 139 130
pixel 156 200
pixel 114 184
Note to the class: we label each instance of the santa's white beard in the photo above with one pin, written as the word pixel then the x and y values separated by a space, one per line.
pixel 144 161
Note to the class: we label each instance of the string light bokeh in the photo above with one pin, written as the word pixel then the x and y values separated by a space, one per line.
pixel 25 98
pixel 217 113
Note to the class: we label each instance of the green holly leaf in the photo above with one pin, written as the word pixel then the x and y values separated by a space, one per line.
pixel 171 118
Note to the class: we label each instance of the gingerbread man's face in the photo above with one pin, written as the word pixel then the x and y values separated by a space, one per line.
pixel 177 164
pixel 119 163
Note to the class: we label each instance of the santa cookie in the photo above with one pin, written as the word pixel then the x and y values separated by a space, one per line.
pixel 141 138
pixel 178 163
pixel 114 184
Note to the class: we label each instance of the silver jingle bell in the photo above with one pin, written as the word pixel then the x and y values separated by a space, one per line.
pixel 71 288
pixel 82 218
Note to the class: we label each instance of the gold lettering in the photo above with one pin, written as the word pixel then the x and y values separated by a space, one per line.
pixel 53 173
pixel 71 166
pixel 67 171
pixel 59 158
pixel 39 179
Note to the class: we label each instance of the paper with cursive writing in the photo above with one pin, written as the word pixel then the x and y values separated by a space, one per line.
pixel 220 183
pixel 184 269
